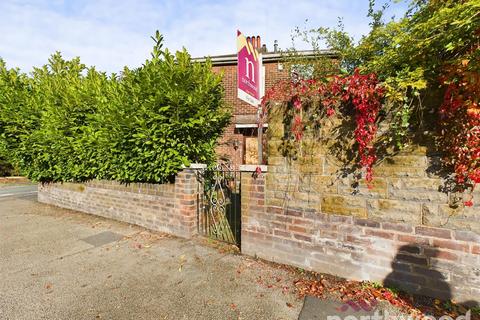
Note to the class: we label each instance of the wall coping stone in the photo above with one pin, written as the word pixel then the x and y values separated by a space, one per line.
pixel 253 167
pixel 197 166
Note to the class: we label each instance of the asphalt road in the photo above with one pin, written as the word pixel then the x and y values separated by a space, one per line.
pixel 61 264
pixel 18 191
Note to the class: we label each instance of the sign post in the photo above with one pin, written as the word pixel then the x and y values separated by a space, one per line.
pixel 250 78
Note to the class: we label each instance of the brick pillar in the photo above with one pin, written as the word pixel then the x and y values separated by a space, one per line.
pixel 253 206
pixel 187 191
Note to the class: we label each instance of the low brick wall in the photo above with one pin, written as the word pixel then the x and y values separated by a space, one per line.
pixel 438 262
pixel 170 208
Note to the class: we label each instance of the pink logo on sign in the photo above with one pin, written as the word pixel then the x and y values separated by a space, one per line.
pixel 248 71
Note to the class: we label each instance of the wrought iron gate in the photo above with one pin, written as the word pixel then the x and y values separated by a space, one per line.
pixel 219 213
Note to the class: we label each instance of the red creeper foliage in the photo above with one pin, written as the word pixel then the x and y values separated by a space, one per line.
pixel 460 125
pixel 363 92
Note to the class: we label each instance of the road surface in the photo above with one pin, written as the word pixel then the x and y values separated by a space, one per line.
pixel 18 191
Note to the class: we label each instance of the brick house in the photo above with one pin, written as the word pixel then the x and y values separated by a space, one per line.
pixel 239 144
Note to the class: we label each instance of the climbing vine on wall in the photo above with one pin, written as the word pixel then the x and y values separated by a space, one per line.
pixel 416 77
pixel 331 96
pixel 460 120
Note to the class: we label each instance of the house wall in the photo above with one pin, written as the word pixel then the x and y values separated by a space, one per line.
pixel 242 112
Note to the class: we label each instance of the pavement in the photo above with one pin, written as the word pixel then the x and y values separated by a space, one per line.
pixel 61 264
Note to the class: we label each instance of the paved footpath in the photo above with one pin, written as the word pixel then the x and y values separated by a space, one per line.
pixel 60 264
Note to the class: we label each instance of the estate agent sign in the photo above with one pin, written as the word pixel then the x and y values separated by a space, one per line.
pixel 249 71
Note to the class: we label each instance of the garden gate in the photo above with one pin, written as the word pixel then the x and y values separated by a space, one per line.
pixel 219 211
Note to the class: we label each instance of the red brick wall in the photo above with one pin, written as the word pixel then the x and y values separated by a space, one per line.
pixel 169 208
pixel 437 262
pixel 226 144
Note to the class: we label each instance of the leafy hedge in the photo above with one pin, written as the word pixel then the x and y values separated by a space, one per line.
pixel 71 123
pixel 6 169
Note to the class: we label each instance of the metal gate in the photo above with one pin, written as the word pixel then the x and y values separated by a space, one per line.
pixel 219 212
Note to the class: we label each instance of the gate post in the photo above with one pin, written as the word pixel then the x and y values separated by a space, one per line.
pixel 186 199
pixel 253 205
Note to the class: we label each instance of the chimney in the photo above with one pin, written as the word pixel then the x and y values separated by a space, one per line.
pixel 256 42
pixel 275 46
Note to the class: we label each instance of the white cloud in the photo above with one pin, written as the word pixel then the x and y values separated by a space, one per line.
pixel 110 34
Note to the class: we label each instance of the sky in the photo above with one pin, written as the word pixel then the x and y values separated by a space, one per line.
pixel 111 34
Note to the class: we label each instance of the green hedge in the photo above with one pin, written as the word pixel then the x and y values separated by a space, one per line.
pixel 71 123
pixel 6 168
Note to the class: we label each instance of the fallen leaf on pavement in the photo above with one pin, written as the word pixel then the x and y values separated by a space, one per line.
pixel 182 262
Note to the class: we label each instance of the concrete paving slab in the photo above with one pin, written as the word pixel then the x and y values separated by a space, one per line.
pixel 325 309
pixel 102 238
pixel 332 309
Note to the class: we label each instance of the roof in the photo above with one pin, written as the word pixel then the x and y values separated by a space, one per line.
pixel 228 59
